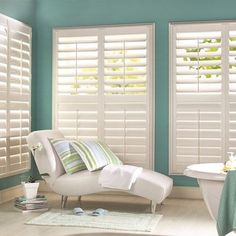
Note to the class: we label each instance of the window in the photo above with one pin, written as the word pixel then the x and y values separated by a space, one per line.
pixel 202 93
pixel 15 96
pixel 103 88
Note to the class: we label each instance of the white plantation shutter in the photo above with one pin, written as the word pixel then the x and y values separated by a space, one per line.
pixel 197 114
pixel 126 90
pixel 3 94
pixel 15 84
pixel 202 93
pixel 107 94
pixel 232 88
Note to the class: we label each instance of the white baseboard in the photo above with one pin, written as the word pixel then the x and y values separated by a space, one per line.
pixel 10 193
pixel 43 187
pixel 177 191
pixel 186 192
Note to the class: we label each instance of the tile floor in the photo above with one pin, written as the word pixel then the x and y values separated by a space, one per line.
pixel 180 216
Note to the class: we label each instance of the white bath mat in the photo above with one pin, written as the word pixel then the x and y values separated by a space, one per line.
pixel 112 220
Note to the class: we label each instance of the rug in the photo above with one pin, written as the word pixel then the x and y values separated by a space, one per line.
pixel 112 220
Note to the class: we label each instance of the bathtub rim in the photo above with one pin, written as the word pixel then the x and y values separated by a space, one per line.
pixel 208 171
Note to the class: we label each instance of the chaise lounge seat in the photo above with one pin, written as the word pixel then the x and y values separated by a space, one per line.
pixel 151 185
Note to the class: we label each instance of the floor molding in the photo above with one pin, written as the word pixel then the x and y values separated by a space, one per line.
pixel 43 187
pixel 186 192
pixel 10 193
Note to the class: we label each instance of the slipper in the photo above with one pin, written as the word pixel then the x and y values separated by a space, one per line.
pixel 99 212
pixel 78 211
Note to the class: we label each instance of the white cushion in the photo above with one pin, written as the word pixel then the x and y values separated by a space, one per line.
pixel 95 154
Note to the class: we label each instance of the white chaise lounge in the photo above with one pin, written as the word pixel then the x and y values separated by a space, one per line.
pixel 151 185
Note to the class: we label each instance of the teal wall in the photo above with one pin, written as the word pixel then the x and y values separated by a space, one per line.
pixel 22 10
pixel 62 13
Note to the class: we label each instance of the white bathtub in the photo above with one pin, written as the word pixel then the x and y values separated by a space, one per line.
pixel 211 180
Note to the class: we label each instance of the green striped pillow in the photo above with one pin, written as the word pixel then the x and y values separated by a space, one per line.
pixel 95 154
pixel 70 159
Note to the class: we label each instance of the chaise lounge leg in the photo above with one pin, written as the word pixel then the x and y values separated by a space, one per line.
pixel 63 201
pixel 79 199
pixel 153 207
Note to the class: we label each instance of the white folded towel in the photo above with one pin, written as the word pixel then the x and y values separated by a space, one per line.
pixel 119 176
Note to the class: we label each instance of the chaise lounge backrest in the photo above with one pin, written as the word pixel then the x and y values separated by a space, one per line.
pixel 45 157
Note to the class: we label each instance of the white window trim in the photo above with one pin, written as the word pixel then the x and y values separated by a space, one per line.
pixel 151 74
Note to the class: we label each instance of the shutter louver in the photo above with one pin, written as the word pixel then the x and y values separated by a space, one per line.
pixel 197 108
pixel 15 83
pixel 103 88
